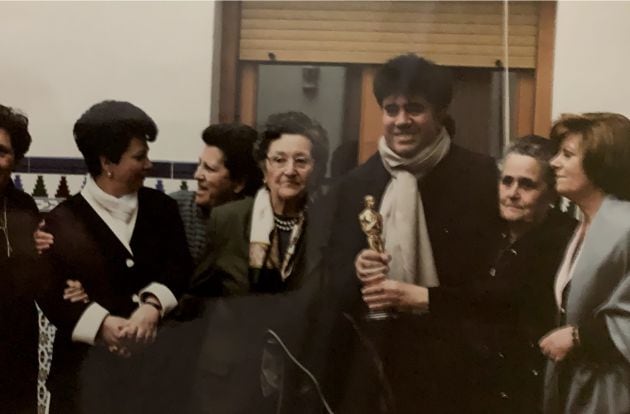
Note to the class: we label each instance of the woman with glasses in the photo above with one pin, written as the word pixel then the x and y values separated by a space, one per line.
pixel 18 315
pixel 258 248
pixel 258 245
pixel 588 369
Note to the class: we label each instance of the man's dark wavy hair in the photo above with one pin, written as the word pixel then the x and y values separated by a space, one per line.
pixel 411 75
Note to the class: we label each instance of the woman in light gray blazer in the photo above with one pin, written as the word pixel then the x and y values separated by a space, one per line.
pixel 589 353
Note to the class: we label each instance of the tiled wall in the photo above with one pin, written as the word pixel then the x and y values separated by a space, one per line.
pixel 50 180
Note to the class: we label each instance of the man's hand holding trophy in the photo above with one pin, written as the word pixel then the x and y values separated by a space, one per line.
pixel 384 297
pixel 372 264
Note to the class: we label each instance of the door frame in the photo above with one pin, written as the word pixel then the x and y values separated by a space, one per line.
pixel 239 83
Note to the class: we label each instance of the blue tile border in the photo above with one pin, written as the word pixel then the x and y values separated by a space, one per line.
pixel 184 170
pixel 52 165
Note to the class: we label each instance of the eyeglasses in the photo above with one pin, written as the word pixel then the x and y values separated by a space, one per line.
pixel 411 108
pixel 301 162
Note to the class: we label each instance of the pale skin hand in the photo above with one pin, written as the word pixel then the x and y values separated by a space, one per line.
pixel 379 292
pixel 141 328
pixel 371 266
pixel 557 344
pixel 74 292
pixel 111 334
pixel 392 294
pixel 43 240
pixel 143 324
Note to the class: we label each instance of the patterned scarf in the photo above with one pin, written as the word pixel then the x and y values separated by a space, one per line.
pixel 264 241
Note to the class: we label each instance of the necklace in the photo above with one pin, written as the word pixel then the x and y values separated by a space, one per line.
pixel 4 226
pixel 285 224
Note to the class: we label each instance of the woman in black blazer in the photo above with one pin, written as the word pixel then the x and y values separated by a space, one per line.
pixel 125 244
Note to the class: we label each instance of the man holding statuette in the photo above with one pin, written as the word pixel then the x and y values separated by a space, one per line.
pixel 438 205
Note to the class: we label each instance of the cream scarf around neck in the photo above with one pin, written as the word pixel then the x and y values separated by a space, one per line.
pixel 405 228
pixel 121 208
pixel 119 214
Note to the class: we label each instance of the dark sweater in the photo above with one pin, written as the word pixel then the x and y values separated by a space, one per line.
pixel 18 315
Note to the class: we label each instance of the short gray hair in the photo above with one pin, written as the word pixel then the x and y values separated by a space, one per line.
pixel 539 148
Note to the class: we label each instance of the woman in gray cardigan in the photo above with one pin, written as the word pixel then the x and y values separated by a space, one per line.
pixel 589 353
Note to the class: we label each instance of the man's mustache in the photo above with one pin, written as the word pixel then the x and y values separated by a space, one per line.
pixel 406 131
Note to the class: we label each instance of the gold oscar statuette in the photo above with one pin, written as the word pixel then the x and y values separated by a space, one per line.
pixel 372 225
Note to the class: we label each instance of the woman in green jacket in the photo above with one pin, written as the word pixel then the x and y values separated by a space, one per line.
pixel 265 244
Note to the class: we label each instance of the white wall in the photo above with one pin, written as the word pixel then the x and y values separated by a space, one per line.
pixel 60 58
pixel 591 57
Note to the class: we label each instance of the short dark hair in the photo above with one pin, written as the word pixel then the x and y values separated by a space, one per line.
pixel 236 141
pixel 107 128
pixel 293 122
pixel 539 148
pixel 605 141
pixel 411 75
pixel 16 126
